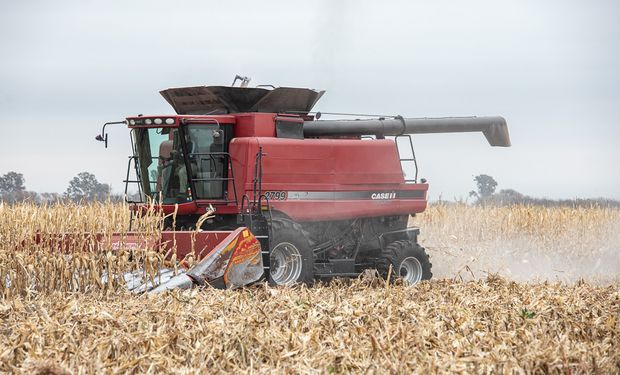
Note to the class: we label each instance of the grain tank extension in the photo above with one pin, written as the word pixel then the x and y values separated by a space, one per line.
pixel 325 198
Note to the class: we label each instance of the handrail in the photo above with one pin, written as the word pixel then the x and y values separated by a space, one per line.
pixel 415 162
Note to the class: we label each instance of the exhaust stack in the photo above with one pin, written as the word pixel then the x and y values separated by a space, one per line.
pixel 494 128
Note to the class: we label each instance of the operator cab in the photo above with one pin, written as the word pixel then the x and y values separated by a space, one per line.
pixel 182 161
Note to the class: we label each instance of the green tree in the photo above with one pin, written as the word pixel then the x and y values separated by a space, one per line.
pixel 85 187
pixel 12 187
pixel 486 186
pixel 12 182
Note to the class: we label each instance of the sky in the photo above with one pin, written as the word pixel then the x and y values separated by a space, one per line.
pixel 551 68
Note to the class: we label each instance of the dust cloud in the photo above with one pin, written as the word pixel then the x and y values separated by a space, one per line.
pixel 568 257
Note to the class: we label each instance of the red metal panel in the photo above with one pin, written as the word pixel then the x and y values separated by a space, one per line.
pixel 243 154
pixel 255 125
pixel 187 242
pixel 331 161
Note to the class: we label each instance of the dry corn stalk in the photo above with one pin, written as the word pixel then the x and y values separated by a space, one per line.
pixel 69 247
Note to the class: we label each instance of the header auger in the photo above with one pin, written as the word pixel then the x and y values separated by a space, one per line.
pixel 325 198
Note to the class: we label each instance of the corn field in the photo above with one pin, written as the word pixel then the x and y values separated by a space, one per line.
pixel 57 247
pixel 516 290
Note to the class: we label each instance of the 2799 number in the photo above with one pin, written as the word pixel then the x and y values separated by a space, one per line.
pixel 276 195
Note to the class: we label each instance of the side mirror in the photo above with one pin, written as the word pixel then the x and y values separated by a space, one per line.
pixel 103 137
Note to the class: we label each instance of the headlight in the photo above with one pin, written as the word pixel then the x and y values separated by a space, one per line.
pixel 169 121
pixel 158 121
pixel 132 122
pixel 148 121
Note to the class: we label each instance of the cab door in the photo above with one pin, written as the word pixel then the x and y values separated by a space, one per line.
pixel 208 160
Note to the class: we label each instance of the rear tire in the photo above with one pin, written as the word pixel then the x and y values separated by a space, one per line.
pixel 291 259
pixel 409 262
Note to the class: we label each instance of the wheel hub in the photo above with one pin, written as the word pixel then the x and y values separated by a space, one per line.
pixel 285 264
pixel 410 270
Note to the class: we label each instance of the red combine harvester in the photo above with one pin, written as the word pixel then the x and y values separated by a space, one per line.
pixel 325 198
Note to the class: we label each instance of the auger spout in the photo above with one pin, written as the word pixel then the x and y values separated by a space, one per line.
pixel 494 128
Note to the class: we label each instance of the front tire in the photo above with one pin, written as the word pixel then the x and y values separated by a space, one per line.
pixel 409 262
pixel 290 258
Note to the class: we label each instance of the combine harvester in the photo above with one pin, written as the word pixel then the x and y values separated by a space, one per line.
pixel 321 198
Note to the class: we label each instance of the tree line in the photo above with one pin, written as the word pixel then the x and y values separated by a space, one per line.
pixel 82 188
pixel 485 195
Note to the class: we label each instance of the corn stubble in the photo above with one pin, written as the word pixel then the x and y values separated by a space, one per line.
pixel 57 316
